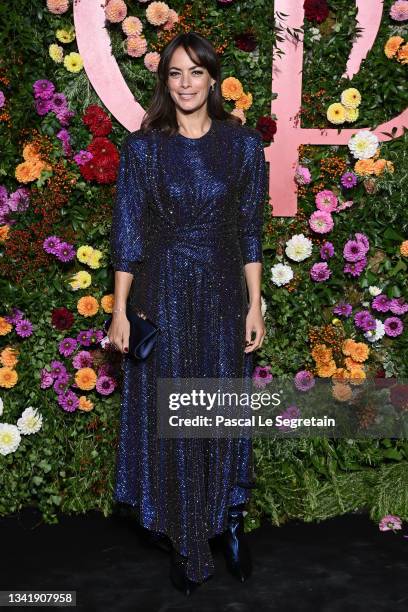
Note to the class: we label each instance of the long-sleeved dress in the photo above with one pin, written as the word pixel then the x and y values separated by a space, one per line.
pixel 187 217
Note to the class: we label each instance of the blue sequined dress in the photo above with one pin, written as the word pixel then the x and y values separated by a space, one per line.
pixel 188 215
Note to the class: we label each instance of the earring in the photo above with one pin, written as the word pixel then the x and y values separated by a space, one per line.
pixel 212 87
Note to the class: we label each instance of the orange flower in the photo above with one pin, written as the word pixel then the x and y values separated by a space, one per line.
pixel 357 376
pixel 85 378
pixel 107 302
pixel 157 13
pixel 342 392
pixel 30 152
pixel 364 167
pixel 85 404
pixel 321 353
pixel 404 248
pixel 5 327
pixel 392 45
pixel 87 306
pixel 379 166
pixel 24 173
pixel 8 357
pixel 115 11
pixel 359 351
pixel 340 374
pixel 402 54
pixel 244 102
pixel 231 88
pixel 348 346
pixel 325 370
pixel 4 233
pixel 8 377
pixel 351 363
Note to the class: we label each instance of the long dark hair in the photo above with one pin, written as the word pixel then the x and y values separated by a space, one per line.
pixel 161 113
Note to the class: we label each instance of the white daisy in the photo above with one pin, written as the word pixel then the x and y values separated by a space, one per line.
pixel 298 247
pixel 281 274
pixel 30 421
pixel 9 438
pixel 363 145
pixel 373 335
pixel 374 290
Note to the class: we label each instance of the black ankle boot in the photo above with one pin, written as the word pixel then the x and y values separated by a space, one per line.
pixel 235 546
pixel 178 574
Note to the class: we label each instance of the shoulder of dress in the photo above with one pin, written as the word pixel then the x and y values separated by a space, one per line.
pixel 243 133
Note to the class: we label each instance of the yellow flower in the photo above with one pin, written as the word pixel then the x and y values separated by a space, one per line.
pixel 351 114
pixel 94 259
pixel 244 102
pixel 5 327
pixel 73 62
pixel 85 378
pixel 8 377
pixel 357 376
pixel 65 36
pixel 231 89
pixel 84 252
pixel 107 302
pixel 88 306
pixel 80 280
pixel 336 113
pixel 56 53
pixel 351 97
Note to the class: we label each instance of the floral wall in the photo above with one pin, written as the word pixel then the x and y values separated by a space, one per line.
pixel 334 284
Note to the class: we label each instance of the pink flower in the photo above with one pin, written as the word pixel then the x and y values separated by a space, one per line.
pixel 321 222
pixel 320 271
pixel 399 10
pixel 262 376
pixel 326 200
pixel 390 522
pixel 302 175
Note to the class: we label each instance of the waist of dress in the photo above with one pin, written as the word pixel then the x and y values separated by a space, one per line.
pixel 205 233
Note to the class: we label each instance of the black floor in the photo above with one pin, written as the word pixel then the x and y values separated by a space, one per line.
pixel 341 564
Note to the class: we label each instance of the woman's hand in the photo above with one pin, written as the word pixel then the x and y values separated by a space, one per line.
pixel 119 332
pixel 254 323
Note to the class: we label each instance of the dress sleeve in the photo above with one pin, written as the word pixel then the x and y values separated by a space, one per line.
pixel 252 200
pixel 129 218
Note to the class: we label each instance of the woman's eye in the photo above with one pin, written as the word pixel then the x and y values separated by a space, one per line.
pixel 177 74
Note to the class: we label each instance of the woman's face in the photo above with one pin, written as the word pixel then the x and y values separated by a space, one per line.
pixel 187 82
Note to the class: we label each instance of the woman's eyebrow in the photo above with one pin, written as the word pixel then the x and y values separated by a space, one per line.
pixel 175 67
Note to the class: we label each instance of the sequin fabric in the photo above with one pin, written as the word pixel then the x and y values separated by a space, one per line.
pixel 188 215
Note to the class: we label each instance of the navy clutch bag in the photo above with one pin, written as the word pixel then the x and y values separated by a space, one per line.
pixel 143 334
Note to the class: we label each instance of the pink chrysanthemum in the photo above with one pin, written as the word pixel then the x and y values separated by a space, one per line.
pixel 321 222
pixel 399 10
pixel 115 11
pixel 326 200
pixel 157 13
pixel 151 61
pixel 136 46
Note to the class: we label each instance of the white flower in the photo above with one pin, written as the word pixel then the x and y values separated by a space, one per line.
pixel 9 438
pixel 281 274
pixel 30 421
pixel 373 335
pixel 1 406
pixel 298 247
pixel 363 145
pixel 315 32
pixel 263 306
pixel 374 290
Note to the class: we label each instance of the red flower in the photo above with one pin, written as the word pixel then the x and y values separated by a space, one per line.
pixel 106 171
pixel 316 10
pixel 246 41
pixel 62 318
pixel 267 127
pixel 97 120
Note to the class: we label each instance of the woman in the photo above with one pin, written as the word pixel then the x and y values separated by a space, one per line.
pixel 186 246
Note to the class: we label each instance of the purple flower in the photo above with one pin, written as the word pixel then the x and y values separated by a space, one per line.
pixel 3 194
pixel 57 368
pixel 82 157
pixel 320 271
pixel 398 306
pixel 83 359
pixel 51 244
pixel 43 89
pixel 16 316
pixel 327 250
pixel 19 199
pixel 365 320
pixel 59 102
pixel 24 328
pixel 46 378
pixel 105 385
pixel 65 252
pixel 291 412
pixel 355 268
pixel 393 326
pixel 302 175
pixel 42 107
pixel 68 401
pixel 67 346
pixel 262 375
pixel 64 115
pixel 2 99
pixel 64 135
pixel 106 369
pixel 363 238
pixel 304 380
pixel 353 250
pixel 94 336
pixel 390 522
pixel 61 383
pixel 348 180
pixel 82 338
pixel 381 303
pixel 343 309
